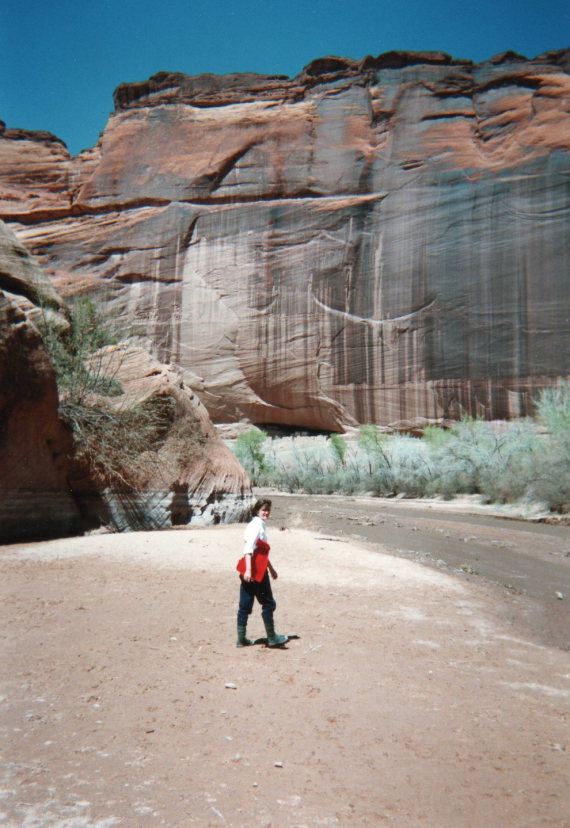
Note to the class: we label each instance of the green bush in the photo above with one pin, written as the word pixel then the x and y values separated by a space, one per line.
pixel 460 459
pixel 69 348
pixel 553 411
pixel 338 446
pixel 249 451
pixel 475 458
pixel 375 461
pixel 501 463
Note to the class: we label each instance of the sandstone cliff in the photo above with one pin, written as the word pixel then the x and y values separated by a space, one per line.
pixel 372 241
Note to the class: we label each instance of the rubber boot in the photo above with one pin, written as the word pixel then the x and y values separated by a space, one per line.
pixel 274 640
pixel 242 641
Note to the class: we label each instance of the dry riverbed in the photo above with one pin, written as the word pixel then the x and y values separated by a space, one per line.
pixel 417 692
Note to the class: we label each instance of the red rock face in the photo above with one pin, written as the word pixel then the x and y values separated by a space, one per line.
pixel 35 446
pixel 372 241
pixel 39 179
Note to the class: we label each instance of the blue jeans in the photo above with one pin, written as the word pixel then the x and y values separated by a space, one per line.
pixel 248 592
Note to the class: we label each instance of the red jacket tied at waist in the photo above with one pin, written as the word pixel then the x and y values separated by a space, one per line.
pixel 259 561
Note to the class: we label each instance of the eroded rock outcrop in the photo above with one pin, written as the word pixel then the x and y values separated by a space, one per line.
pixel 372 241
pixel 34 444
pixel 187 475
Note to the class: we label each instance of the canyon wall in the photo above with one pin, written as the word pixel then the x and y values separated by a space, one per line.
pixel 382 240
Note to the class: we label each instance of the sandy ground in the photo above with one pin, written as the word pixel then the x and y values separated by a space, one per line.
pixel 409 697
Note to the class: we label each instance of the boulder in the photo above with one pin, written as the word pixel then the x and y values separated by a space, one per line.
pixel 185 475
pixel 22 277
pixel 381 240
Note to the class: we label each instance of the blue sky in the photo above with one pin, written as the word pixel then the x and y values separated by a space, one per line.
pixel 60 60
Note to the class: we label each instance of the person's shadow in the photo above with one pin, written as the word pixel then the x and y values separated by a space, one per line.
pixel 263 641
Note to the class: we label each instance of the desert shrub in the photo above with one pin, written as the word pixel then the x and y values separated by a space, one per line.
pixel 249 451
pixel 512 463
pixel 410 466
pixel 474 458
pixel 517 463
pixel 334 465
pixel 435 437
pixel 309 465
pixel 68 349
pixel 551 478
pixel 553 411
pixel 338 446
pixel 551 482
pixel 462 458
pixel 120 446
pixel 303 465
pixel 373 442
pixel 375 461
pixel 509 475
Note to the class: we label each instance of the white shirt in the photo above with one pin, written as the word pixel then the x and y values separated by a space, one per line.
pixel 254 531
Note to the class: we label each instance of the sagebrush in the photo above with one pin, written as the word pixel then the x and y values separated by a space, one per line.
pixel 525 460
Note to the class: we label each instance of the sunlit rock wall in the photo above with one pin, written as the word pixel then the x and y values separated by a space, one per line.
pixel 372 241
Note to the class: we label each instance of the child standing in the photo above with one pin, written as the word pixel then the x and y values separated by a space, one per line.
pixel 254 568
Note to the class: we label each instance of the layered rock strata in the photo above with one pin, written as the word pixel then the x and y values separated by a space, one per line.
pixel 372 241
